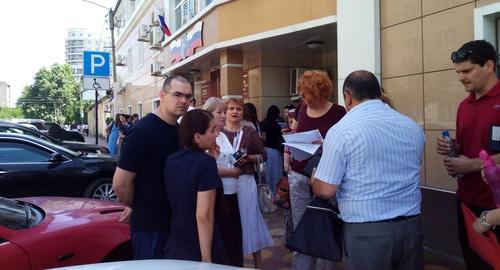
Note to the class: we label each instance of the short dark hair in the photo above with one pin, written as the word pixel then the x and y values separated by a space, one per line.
pixel 168 82
pixel 476 51
pixel 362 84
pixel 194 121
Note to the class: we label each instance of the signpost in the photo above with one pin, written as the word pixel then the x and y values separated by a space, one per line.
pixel 96 77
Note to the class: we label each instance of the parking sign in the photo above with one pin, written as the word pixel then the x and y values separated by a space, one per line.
pixel 95 64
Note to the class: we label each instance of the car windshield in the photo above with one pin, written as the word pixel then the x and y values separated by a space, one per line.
pixel 17 215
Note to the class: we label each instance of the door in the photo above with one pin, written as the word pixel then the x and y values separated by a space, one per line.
pixel 26 169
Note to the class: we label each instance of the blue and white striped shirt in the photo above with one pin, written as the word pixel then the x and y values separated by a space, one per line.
pixel 374 155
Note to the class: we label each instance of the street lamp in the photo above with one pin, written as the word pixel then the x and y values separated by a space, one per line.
pixel 111 15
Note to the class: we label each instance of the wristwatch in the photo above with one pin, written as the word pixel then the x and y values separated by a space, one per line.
pixel 482 219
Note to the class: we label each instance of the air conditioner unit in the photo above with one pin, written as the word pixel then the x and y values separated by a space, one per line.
pixel 121 60
pixel 119 88
pixel 143 34
pixel 295 74
pixel 154 16
pixel 155 38
pixel 119 22
pixel 156 68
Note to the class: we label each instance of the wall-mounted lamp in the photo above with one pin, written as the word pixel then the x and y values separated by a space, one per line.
pixel 194 71
pixel 314 44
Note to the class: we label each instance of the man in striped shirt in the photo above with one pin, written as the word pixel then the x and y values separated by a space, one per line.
pixel 371 162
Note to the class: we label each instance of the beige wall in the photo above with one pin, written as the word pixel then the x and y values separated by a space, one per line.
pixel 269 75
pixel 417 38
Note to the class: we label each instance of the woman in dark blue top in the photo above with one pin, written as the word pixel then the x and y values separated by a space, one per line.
pixel 192 185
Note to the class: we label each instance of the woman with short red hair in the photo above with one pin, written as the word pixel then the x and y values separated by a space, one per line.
pixel 316 112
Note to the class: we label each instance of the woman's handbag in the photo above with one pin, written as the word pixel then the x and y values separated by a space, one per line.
pixel 319 232
pixel 282 198
pixel 264 192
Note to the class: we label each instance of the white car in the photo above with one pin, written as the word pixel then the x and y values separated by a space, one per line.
pixel 151 265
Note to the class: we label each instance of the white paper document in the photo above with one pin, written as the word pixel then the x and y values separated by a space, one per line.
pixel 301 143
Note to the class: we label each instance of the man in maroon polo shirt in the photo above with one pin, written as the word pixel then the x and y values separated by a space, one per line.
pixel 478 116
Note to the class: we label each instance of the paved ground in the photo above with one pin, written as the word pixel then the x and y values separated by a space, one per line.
pixel 278 257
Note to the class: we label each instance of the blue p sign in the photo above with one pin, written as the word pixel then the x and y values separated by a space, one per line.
pixel 95 64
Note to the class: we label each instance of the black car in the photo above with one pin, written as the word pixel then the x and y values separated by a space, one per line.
pixel 56 131
pixel 8 127
pixel 34 167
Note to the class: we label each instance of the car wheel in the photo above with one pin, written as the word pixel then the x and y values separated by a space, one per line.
pixel 101 189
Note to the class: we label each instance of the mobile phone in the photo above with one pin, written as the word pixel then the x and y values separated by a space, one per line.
pixel 238 156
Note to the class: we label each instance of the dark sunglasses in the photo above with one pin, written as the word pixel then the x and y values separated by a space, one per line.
pixel 462 55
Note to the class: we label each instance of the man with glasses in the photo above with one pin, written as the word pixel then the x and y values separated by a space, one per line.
pixel 478 118
pixel 138 179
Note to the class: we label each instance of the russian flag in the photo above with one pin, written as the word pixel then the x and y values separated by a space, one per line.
pixel 164 26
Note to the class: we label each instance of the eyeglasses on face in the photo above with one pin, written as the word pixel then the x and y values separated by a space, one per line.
pixel 179 95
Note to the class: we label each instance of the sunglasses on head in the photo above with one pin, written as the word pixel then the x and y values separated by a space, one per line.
pixel 462 55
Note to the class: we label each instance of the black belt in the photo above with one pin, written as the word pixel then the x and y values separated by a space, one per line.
pixel 398 218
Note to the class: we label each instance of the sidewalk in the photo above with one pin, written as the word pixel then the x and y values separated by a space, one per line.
pixel 91 139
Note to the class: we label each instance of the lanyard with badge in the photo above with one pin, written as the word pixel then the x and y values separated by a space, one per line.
pixel 238 153
pixel 494 138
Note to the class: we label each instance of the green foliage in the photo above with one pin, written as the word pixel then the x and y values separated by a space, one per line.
pixel 9 113
pixel 53 96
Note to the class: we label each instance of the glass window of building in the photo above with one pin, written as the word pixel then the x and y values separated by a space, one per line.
pixel 139 109
pixel 140 54
pixel 130 60
pixel 497 45
pixel 156 104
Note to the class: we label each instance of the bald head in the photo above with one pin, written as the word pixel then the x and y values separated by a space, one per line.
pixel 362 85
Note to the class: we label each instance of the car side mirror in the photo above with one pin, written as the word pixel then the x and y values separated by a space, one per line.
pixel 56 157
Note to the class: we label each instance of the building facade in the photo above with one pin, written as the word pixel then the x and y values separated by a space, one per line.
pixel 256 50
pixel 77 41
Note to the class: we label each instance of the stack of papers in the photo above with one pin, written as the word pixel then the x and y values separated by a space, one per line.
pixel 301 143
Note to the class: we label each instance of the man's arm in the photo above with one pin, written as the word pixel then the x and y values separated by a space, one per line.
pixel 465 165
pixel 321 189
pixel 123 185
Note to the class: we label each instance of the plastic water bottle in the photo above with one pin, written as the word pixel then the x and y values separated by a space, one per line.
pixel 453 148
pixel 491 175
pixel 454 152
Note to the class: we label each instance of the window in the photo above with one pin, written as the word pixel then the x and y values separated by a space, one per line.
pixel 16 152
pixel 156 104
pixel 140 54
pixel 129 109
pixel 185 10
pixel 497 43
pixel 130 60
pixel 139 109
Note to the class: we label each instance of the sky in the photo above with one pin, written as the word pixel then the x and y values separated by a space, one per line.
pixel 33 35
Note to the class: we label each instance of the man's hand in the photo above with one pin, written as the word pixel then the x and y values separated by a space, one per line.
pixel 125 217
pixel 442 146
pixel 462 165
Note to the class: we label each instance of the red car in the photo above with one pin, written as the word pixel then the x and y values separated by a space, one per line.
pixel 46 232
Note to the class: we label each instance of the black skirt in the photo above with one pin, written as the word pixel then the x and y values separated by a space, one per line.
pixel 228 215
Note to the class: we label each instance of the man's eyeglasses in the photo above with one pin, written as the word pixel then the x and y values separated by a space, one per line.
pixel 461 55
pixel 179 95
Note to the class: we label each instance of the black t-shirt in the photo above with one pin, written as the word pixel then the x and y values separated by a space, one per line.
pixel 186 173
pixel 274 137
pixel 147 146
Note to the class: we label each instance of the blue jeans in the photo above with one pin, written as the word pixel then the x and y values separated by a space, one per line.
pixel 148 245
